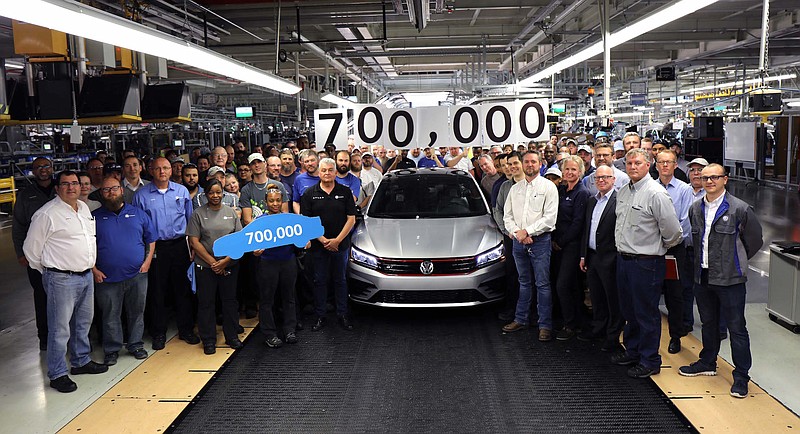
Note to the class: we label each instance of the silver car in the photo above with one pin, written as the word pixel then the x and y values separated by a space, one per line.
pixel 427 240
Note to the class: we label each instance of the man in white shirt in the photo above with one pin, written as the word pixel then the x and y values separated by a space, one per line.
pixel 61 246
pixel 368 171
pixel 529 215
pixel 457 159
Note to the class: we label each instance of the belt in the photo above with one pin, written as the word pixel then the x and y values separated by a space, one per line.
pixel 56 270
pixel 171 241
pixel 631 257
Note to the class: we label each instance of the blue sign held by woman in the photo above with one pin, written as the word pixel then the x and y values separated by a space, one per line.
pixel 270 231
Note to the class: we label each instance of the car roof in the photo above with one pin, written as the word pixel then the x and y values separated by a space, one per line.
pixel 399 173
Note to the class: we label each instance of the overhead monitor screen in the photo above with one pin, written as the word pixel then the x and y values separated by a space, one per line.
pixel 559 108
pixel 244 112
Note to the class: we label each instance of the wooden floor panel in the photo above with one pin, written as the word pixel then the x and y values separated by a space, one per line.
pixel 133 416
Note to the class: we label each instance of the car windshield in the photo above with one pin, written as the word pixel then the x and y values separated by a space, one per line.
pixel 427 196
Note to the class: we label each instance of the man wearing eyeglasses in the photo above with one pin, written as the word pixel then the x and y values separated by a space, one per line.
pixel 126 241
pixel 726 233
pixel 645 229
pixel 599 261
pixel 95 168
pixel 682 198
pixel 61 246
pixel 29 200
pixel 604 156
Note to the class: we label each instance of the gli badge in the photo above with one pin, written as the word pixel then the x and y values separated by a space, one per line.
pixel 426 267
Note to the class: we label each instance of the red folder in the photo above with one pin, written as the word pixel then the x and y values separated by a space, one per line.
pixel 672 268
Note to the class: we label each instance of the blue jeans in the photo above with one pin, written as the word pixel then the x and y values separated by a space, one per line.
pixel 70 309
pixel 111 297
pixel 533 262
pixel 330 266
pixel 639 282
pixel 713 301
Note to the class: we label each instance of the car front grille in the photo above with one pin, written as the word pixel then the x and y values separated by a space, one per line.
pixel 435 296
pixel 413 266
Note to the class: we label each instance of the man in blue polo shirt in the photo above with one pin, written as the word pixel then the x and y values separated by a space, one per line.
pixel 169 207
pixel 126 241
pixel 305 179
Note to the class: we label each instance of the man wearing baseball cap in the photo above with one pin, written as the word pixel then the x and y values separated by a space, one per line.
pixel 585 152
pixel 695 168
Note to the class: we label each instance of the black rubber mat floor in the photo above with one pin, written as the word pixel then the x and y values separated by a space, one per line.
pixel 424 371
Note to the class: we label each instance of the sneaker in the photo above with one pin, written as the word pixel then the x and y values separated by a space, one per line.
pixel 545 335
pixel 159 342
pixel 641 371
pixel 273 342
pixel 514 326
pixel 739 388
pixel 565 334
pixel 139 353
pixel 290 338
pixel 63 384
pixel 111 359
pixel 89 368
pixel 624 359
pixel 190 338
pixel 695 369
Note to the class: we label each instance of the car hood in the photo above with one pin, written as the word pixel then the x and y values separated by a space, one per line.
pixel 426 238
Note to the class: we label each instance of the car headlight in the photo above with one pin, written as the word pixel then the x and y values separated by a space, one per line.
pixel 490 256
pixel 363 258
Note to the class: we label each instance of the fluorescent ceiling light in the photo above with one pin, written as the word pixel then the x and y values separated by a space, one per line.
pixel 80 20
pixel 653 21
pixel 739 83
pixel 425 99
pixel 334 99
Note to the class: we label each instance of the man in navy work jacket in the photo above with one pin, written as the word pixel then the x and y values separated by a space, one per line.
pixel 726 234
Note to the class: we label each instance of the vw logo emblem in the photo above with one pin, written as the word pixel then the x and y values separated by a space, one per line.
pixel 426 267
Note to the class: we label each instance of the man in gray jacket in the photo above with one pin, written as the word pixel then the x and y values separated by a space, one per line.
pixel 29 200
pixel 725 234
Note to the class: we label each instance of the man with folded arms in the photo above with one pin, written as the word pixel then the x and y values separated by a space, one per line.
pixel 725 231
pixel 126 241
pixel 646 227
pixel 61 246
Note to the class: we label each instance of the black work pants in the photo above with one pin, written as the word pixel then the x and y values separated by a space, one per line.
pixel 209 284
pixel 673 294
pixel 570 295
pixel 39 303
pixel 169 280
pixel 277 277
pixel 512 278
pixel 602 279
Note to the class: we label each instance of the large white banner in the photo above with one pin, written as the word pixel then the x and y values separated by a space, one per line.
pixel 498 124
pixel 475 125
pixel 331 127
pixel 432 127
